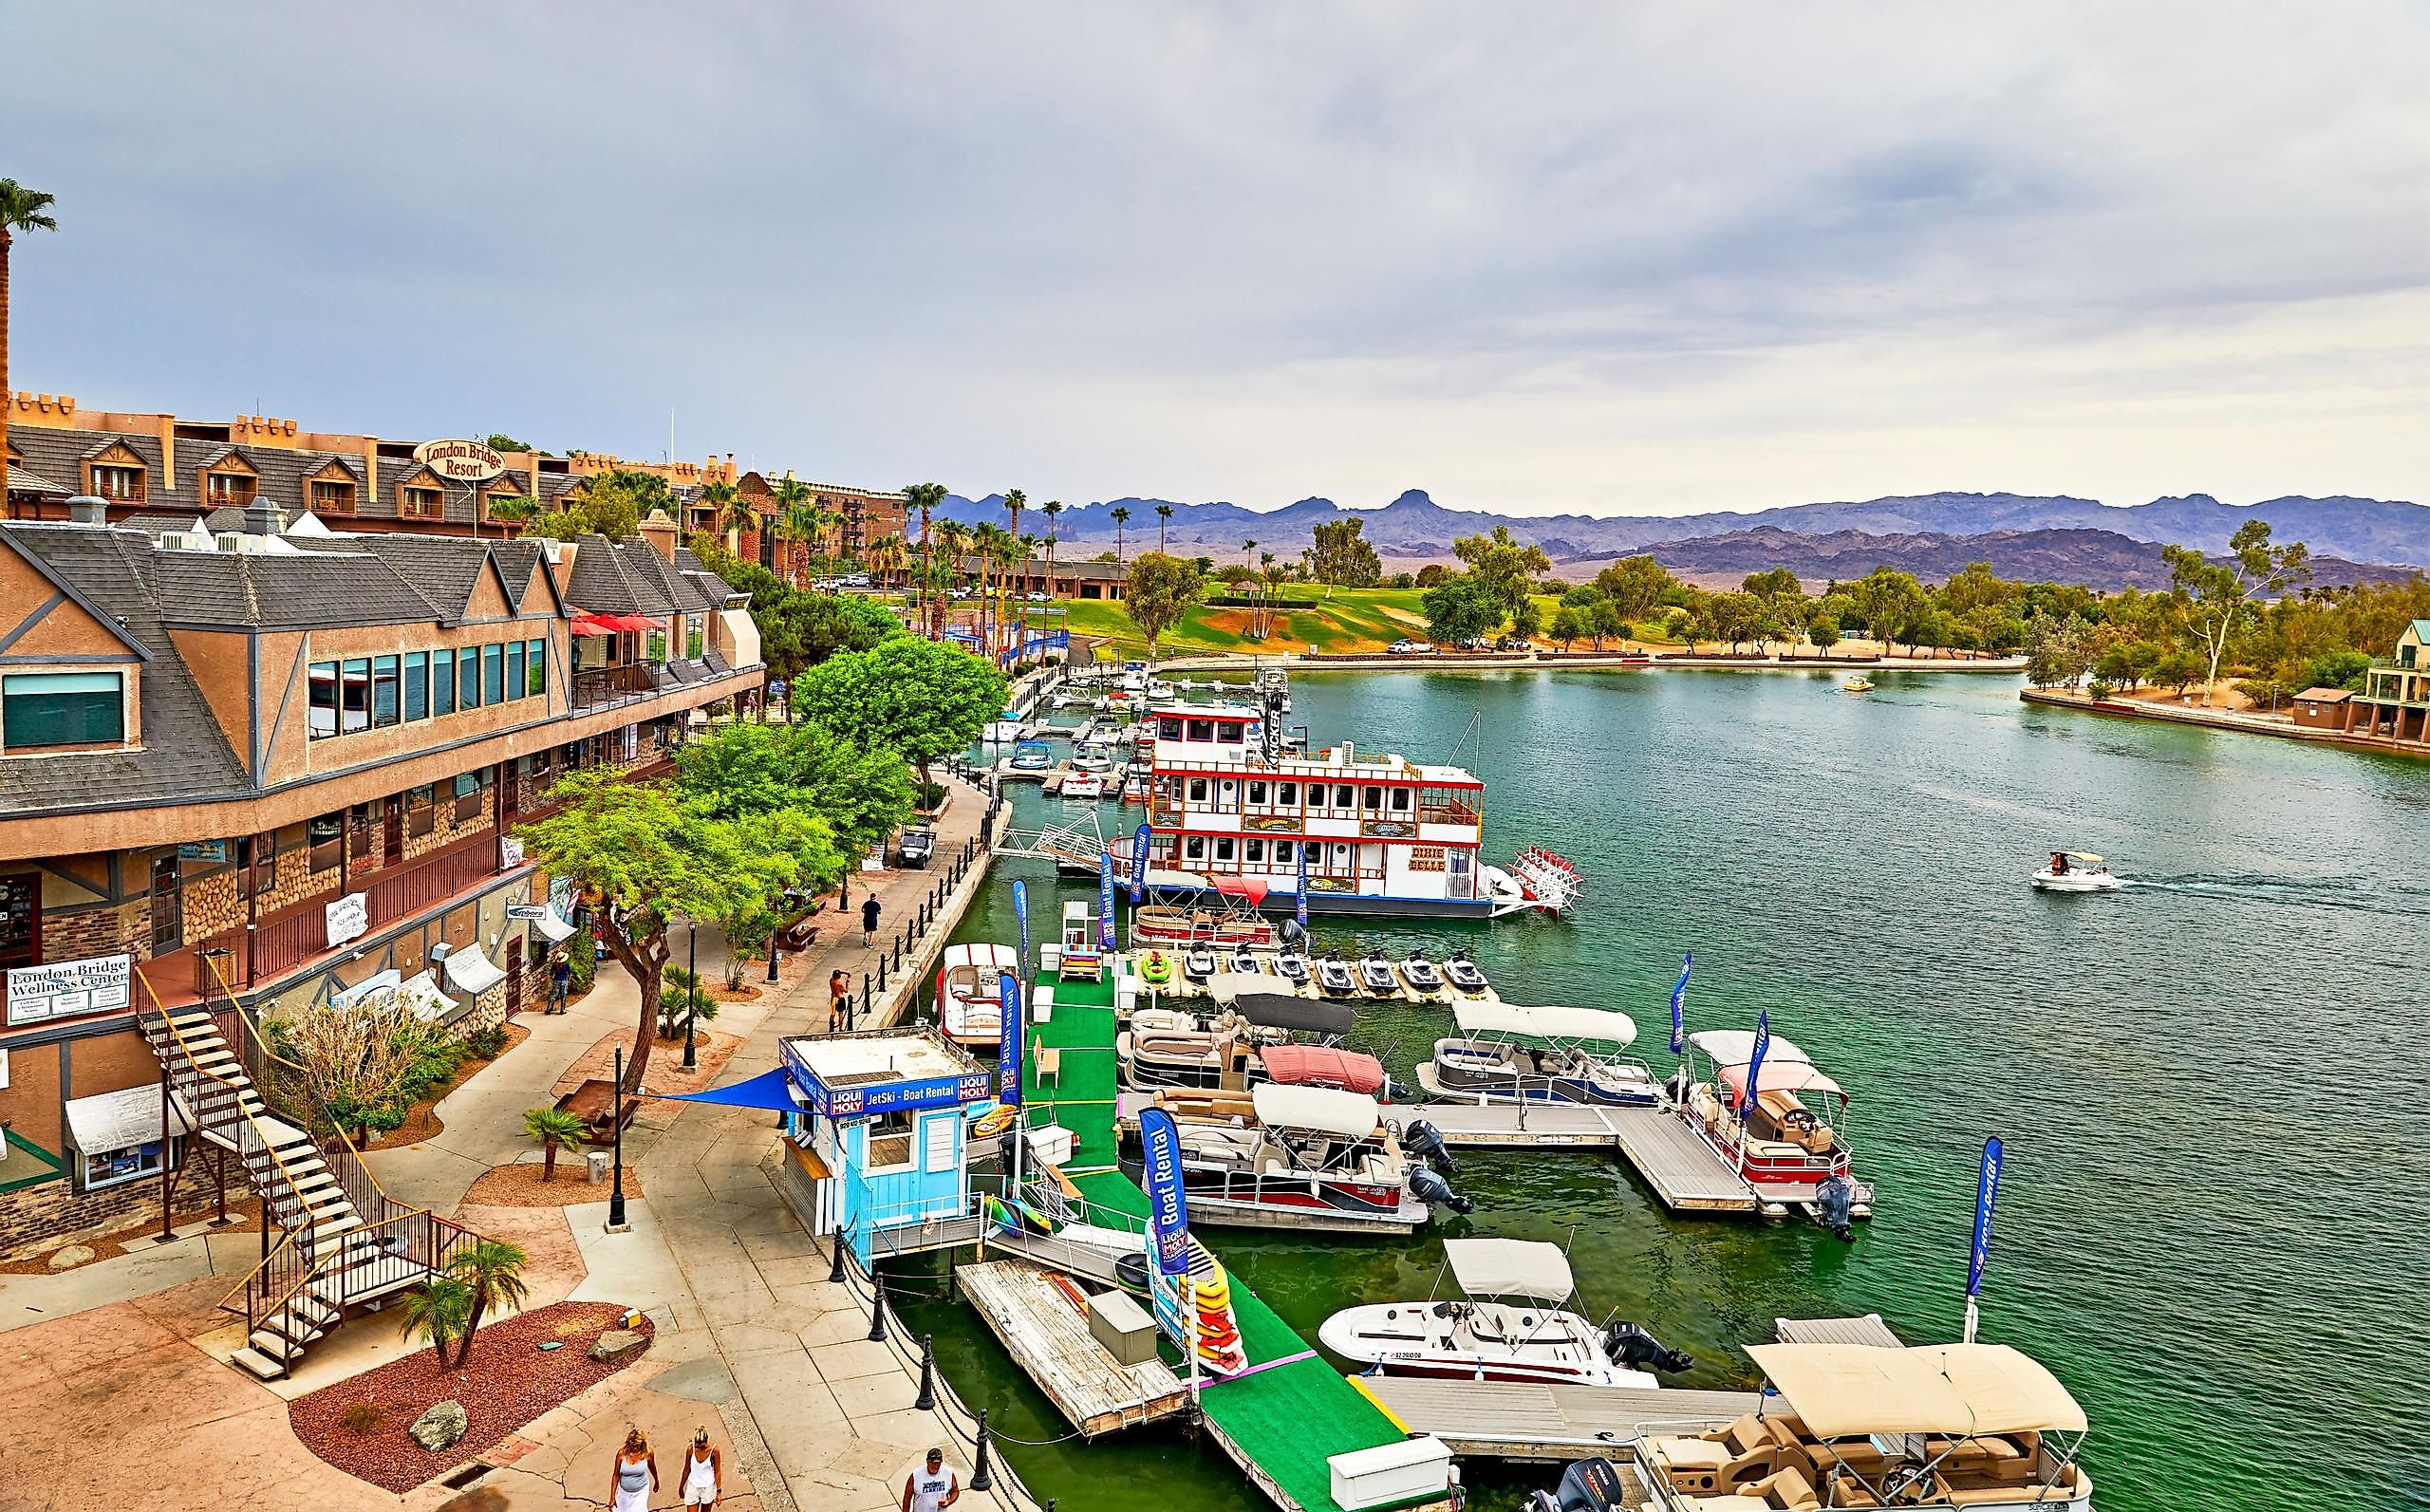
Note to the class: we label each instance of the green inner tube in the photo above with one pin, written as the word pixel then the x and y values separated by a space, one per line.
pixel 1157 969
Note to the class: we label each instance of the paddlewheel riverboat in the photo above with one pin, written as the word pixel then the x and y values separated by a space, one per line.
pixel 1372 832
pixel 1792 1145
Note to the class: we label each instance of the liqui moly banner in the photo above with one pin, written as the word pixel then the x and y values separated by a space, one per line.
pixel 1301 910
pixel 1008 1041
pixel 1755 1063
pixel 1678 1005
pixel 1168 1213
pixel 1139 839
pixel 1020 916
pixel 1105 901
pixel 1987 1192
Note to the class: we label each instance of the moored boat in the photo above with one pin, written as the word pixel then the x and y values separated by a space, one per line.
pixel 1292 968
pixel 1033 756
pixel 1082 786
pixel 1420 973
pixel 1508 1053
pixel 1791 1146
pixel 970 1002
pixel 1378 975
pixel 1462 972
pixel 1306 1158
pixel 1335 976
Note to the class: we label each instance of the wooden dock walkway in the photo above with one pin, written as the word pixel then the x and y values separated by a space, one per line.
pixel 1047 1336
pixel 1516 1420
pixel 1869 1330
pixel 1682 1170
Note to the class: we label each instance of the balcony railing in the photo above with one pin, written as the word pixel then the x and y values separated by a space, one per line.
pixel 610 684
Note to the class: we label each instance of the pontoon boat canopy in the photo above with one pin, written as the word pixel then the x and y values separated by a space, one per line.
pixel 1735 1047
pixel 1510 1267
pixel 1164 879
pixel 1277 1010
pixel 1782 1076
pixel 1248 889
pixel 1476 1016
pixel 1353 1115
pixel 1842 1391
pixel 1228 987
pixel 1323 1066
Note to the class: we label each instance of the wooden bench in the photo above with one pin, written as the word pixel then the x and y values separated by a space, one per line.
pixel 592 1102
pixel 799 935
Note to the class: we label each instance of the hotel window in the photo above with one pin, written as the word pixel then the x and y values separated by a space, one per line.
pixel 383 691
pixel 535 667
pixel 1400 800
pixel 443 681
pixel 468 678
pixel 468 795
pixel 333 498
pixel 696 636
pixel 417 686
pixel 1286 794
pixel 492 674
pixel 421 808
pixel 1229 732
pixel 324 835
pixel 228 489
pixel 354 696
pixel 515 669
pixel 1198 789
pixel 40 709
pixel 123 485
pixel 1257 792
pixel 1253 851
pixel 422 504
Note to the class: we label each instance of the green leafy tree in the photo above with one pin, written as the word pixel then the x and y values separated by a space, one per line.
pixel 1887 600
pixel 742 771
pixel 2215 598
pixel 1342 555
pixel 1604 621
pixel 440 1313
pixel 922 699
pixel 1568 626
pixel 1777 583
pixel 1461 607
pixel 1162 589
pixel 646 857
pixel 1526 619
pixel 2338 669
pixel 499 441
pixel 1636 584
pixel 682 997
pixel 612 504
pixel 1822 628
pixel 492 1270
pixel 553 1129
pixel 1504 568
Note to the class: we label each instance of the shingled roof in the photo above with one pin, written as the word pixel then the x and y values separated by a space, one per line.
pixel 306 590
pixel 627 578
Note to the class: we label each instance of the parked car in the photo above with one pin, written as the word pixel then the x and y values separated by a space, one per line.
pixel 1407 647
pixel 915 848
pixel 1038 598
pixel 1514 643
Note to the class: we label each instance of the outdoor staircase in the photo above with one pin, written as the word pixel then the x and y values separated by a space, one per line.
pixel 344 1241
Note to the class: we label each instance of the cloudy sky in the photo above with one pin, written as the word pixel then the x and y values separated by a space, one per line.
pixel 1640 258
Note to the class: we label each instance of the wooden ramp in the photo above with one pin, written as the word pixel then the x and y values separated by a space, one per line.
pixel 1047 1335
pixel 1508 1420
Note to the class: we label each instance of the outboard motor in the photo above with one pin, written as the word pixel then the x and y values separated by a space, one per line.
pixel 1677 1087
pixel 1434 1192
pixel 1289 932
pixel 1629 1346
pixel 1587 1485
pixel 1425 1141
pixel 1832 1200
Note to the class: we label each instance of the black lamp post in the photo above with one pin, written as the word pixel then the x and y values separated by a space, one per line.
pixel 692 1004
pixel 616 1112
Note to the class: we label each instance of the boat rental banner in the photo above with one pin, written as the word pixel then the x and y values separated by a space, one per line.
pixel 1167 1214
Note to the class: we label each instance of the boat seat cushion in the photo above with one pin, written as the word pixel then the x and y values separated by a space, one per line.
pixel 1690 1454
pixel 1745 1435
pixel 1787 1491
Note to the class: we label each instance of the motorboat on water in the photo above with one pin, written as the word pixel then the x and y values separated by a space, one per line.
pixel 1136 784
pixel 1292 968
pixel 1420 973
pixel 1004 729
pixel 1334 974
pixel 2077 871
pixel 1792 1145
pixel 1462 973
pixel 1308 1158
pixel 1089 756
pixel 1512 1322
pixel 1033 756
pixel 1376 973
pixel 1198 963
pixel 1085 786
pixel 1860 683
pixel 1508 1053
pixel 970 992
pixel 1982 1428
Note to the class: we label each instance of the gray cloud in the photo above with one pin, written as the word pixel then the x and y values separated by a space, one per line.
pixel 1543 257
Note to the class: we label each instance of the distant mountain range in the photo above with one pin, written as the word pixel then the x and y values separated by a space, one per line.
pixel 1929 528
pixel 2103 559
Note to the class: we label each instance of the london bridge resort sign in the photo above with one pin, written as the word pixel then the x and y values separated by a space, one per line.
pixel 461 461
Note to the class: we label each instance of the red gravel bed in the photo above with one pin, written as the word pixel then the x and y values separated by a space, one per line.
pixel 508 1383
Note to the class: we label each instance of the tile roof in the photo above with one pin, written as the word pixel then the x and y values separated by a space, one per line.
pixel 21 482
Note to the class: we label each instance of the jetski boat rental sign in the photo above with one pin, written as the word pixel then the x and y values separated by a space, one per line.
pixel 1008 1042
pixel 1167 1215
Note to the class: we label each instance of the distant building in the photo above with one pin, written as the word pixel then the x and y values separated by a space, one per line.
pixel 1067 580
pixel 2322 708
pixel 2395 700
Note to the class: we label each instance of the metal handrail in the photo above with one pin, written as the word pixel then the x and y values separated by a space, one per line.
pixel 194 1072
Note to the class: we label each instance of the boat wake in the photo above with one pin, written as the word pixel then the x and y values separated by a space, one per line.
pixel 2327 892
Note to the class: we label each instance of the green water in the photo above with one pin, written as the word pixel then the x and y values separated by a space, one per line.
pixel 2200 1080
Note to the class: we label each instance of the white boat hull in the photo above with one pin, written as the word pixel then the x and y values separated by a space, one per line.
pixel 2071 882
pixel 1412 1338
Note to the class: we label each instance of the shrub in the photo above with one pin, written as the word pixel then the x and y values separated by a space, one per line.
pixel 362 1417
pixel 682 997
pixel 581 954
pixel 486 1044
pixel 931 795
pixel 2100 688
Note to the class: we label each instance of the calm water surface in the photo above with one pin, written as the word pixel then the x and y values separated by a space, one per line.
pixel 2202 1081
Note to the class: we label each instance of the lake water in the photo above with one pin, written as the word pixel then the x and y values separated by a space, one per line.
pixel 2205 1225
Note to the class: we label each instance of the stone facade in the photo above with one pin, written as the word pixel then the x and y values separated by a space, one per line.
pixel 103 931
pixel 51 1213
pixel 210 904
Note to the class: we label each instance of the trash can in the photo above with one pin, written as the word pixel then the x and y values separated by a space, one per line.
pixel 207 980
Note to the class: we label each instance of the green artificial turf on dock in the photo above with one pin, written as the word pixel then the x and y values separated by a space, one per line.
pixel 1287 1419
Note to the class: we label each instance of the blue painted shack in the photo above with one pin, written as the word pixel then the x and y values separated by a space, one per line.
pixel 879 1146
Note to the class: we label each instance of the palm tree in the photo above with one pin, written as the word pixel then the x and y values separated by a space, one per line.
pixel 923 497
pixel 1121 519
pixel 441 1311
pixel 885 557
pixel 793 499
pixel 729 512
pixel 1164 513
pixel 556 1131
pixel 1049 508
pixel 492 1270
pixel 955 537
pixel 21 209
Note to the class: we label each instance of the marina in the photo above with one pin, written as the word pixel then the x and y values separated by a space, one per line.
pixel 1044 1324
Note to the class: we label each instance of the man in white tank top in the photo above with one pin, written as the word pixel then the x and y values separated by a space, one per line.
pixel 932 1487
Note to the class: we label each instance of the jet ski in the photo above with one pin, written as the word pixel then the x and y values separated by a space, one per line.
pixel 1246 962
pixel 1334 976
pixel 1292 968
pixel 1463 972
pixel 1376 973
pixel 1421 973
pixel 1198 963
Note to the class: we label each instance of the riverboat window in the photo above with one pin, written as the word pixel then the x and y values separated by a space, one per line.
pixel 417 686
pixel 1202 729
pixel 1400 800
pixel 1228 730
pixel 1223 849
pixel 1341 855
pixel 354 694
pixel 1194 846
pixel 1375 797
pixel 1283 853
pixel 492 674
pixel 535 667
pixel 1169 729
pixel 1253 850
pixel 1257 792
pixel 468 678
pixel 384 690
pixel 1198 789
pixel 1341 796
pixel 1286 794
pixel 515 669
pixel 443 681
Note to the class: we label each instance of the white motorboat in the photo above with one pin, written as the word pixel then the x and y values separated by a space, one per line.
pixel 1507 1053
pixel 2077 871
pixel 1511 1324
pixel 1085 786
pixel 970 992
pixel 1091 756
pixel 1463 973
pixel 1033 756
pixel 1377 973
pixel 1335 976
pixel 1420 973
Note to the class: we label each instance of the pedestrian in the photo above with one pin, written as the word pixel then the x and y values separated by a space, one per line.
pixel 560 981
pixel 636 1474
pixel 868 920
pixel 703 1471
pixel 932 1487
pixel 839 998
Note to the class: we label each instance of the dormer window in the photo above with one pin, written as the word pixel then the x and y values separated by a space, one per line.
pixel 120 485
pixel 502 504
pixel 228 489
pixel 332 498
pixel 422 504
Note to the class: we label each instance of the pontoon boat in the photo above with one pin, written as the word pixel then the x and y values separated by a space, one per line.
pixel 1511 1324
pixel 1306 1158
pixel 2076 871
pixel 1788 1148
pixel 970 1002
pixel 1505 1053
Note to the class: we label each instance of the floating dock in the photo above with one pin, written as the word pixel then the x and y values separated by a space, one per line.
pixel 1044 1329
pixel 1683 1170
pixel 1520 1420
pixel 1869 1330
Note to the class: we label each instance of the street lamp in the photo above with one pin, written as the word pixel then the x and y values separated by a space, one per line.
pixel 692 1004
pixel 616 1123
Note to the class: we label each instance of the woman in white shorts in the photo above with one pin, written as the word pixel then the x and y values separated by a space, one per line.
pixel 703 1471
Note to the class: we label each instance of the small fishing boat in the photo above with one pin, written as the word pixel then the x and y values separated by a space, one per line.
pixel 1860 683
pixel 970 994
pixel 1334 977
pixel 1305 1158
pixel 2076 871
pixel 1462 972
pixel 1507 1053
pixel 1198 963
pixel 1033 756
pixel 1510 1324
pixel 1420 973
pixel 1791 1146
pixel 1004 729
pixel 1377 973
pixel 1292 968
pixel 1082 786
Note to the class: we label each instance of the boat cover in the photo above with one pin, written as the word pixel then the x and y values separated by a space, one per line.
pixel 1478 1016
pixel 1842 1390
pixel 1280 1010
pixel 1249 890
pixel 1782 1076
pixel 1735 1047
pixel 1510 1267
pixel 1353 1115
pixel 1165 879
pixel 1323 1066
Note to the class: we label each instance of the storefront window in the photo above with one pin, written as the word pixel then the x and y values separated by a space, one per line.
pixel 468 678
pixel 492 674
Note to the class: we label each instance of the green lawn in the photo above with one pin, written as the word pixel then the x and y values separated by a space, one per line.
pixel 1342 620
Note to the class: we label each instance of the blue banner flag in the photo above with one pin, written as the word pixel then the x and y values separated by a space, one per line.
pixel 1139 839
pixel 1678 1005
pixel 1105 901
pixel 1300 912
pixel 1987 1191
pixel 1020 915
pixel 1008 1040
pixel 1755 1064
pixel 1167 1211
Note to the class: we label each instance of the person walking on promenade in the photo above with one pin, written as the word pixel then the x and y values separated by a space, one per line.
pixel 703 1471
pixel 868 920
pixel 839 999
pixel 560 981
pixel 636 1474
pixel 932 1487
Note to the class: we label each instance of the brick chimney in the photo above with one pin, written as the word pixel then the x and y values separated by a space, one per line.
pixel 660 532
